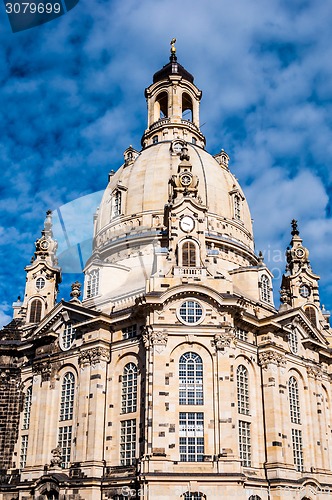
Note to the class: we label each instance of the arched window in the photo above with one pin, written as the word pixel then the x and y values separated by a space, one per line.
pixel 265 288
pixel 93 283
pixel 237 207
pixel 311 314
pixel 294 402
pixel 191 379
pixel 129 388
pixel 27 408
pixel 293 341
pixel 67 397
pixel 193 496
pixel 187 107
pixel 242 390
pixel 161 106
pixel 254 497
pixel 67 336
pixel 188 254
pixel 116 203
pixel 35 311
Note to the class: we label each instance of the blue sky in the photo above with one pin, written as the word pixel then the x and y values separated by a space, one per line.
pixel 71 101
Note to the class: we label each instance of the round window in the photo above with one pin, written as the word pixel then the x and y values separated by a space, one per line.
pixel 304 291
pixel 40 283
pixel 190 312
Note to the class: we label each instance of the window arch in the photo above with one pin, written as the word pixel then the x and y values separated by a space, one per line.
pixel 161 106
pixel 242 383
pixel 67 396
pixel 93 283
pixel 265 288
pixel 311 314
pixel 68 336
pixel 293 341
pixel 294 401
pixel 116 206
pixel 35 311
pixel 188 253
pixel 129 388
pixel 190 379
pixel 27 408
pixel 254 497
pixel 237 207
pixel 187 107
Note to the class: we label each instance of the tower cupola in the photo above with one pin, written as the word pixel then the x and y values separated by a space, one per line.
pixel 43 278
pixel 173 105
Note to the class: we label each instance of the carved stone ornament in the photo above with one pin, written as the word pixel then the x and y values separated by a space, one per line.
pixel 43 368
pixel 224 338
pixel 156 338
pixel 56 457
pixel 314 372
pixel 271 358
pixel 94 356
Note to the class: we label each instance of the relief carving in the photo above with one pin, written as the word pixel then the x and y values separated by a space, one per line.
pixel 271 358
pixel 94 356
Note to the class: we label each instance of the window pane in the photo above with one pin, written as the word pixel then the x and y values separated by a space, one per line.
pixel 245 443
pixel 190 379
pixel 128 442
pixel 191 432
pixel 242 390
pixel 67 397
pixel 129 388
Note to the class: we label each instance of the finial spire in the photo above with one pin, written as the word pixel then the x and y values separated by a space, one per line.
pixel 295 231
pixel 173 50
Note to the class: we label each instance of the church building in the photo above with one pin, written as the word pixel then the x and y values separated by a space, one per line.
pixel 171 374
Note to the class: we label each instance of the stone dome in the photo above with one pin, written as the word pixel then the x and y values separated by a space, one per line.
pixel 143 185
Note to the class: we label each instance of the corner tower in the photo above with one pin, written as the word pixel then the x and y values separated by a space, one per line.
pixel 43 278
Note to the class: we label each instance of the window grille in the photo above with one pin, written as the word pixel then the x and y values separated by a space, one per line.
pixel 67 397
pixel 297 449
pixel 294 402
pixel 237 207
pixel 129 332
pixel 35 311
pixel 245 443
pixel 293 341
pixel 190 379
pixel 93 284
pixel 129 388
pixel 27 408
pixel 241 334
pixel 116 203
pixel 128 442
pixel 23 452
pixel 265 289
pixel 191 432
pixel 191 311
pixel 65 439
pixel 311 314
pixel 193 496
pixel 242 390
pixel 68 336
pixel 188 254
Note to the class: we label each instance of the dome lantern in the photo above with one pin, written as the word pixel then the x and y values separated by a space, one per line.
pixel 173 105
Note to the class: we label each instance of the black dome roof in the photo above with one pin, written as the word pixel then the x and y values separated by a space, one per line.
pixel 172 68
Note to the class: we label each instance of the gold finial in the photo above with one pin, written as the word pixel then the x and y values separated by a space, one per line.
pixel 173 48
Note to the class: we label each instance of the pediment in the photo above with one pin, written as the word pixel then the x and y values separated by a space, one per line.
pixel 297 318
pixel 63 312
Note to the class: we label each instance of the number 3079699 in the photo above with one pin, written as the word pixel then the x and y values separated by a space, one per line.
pixel 32 8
